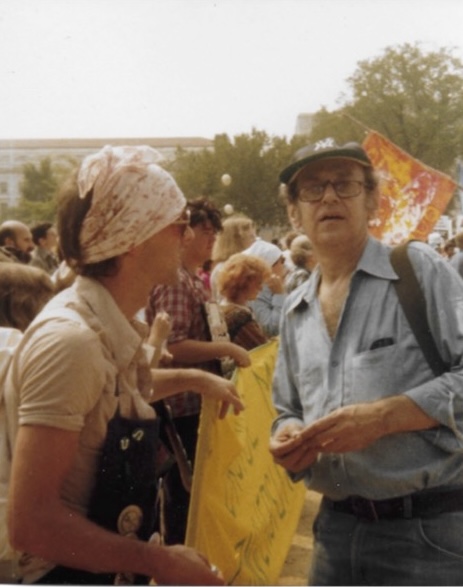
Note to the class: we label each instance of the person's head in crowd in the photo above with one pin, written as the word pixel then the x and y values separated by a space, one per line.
pixel 450 248
pixel 16 237
pixel 288 239
pixel 302 254
pixel 242 278
pixel 45 236
pixel 24 290
pixel 238 233
pixel 205 223
pixel 205 212
pixel 120 200
pixel 355 181
pixel 269 253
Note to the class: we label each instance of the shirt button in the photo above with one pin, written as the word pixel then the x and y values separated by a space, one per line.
pixel 334 363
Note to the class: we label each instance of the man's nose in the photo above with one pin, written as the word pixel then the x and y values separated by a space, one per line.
pixel 329 193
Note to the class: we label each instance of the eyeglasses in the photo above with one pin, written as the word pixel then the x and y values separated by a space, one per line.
pixel 183 220
pixel 347 188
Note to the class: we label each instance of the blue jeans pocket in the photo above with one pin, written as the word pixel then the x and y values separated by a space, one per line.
pixel 443 534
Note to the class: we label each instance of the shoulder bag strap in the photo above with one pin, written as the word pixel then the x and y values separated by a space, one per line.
pixel 413 304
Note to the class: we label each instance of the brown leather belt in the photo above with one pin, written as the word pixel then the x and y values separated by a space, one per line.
pixel 416 505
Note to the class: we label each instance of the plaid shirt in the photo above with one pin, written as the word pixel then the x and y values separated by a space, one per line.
pixel 184 303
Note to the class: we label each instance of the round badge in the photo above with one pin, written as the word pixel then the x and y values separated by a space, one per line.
pixel 129 520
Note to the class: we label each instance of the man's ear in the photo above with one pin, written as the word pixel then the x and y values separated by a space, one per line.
pixel 294 216
pixel 10 242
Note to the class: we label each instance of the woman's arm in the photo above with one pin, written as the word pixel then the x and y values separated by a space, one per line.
pixel 40 524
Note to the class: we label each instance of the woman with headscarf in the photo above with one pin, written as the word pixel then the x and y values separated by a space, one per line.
pixel 83 481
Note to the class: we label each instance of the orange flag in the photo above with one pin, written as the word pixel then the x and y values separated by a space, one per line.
pixel 412 195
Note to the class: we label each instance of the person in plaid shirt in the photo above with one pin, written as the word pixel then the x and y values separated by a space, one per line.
pixel 190 345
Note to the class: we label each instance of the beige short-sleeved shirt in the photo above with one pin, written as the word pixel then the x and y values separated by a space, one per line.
pixel 70 364
pixel 67 372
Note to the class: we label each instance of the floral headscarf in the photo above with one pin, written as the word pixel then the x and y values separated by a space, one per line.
pixel 133 199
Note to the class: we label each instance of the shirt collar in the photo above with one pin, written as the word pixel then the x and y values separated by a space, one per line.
pixel 375 260
pixel 124 338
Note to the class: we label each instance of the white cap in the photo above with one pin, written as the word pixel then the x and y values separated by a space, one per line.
pixel 266 251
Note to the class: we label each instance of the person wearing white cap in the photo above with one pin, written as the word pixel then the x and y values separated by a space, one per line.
pixel 365 417
pixel 267 305
pixel 83 484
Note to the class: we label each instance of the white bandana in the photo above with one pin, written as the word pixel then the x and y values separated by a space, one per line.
pixel 133 199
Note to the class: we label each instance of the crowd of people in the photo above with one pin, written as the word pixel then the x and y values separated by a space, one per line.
pixel 114 306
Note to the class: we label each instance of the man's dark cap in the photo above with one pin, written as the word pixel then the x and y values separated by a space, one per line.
pixel 324 149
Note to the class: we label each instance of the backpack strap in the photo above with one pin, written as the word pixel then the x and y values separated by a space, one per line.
pixel 413 304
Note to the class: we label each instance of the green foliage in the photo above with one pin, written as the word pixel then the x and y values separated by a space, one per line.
pixel 39 189
pixel 252 160
pixel 33 212
pixel 39 183
pixel 413 98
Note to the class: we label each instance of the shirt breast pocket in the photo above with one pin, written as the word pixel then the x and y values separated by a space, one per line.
pixel 376 373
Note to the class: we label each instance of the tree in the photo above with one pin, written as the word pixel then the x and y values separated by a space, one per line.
pixel 413 98
pixel 253 162
pixel 39 189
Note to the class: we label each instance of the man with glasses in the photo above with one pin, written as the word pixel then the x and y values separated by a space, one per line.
pixel 362 419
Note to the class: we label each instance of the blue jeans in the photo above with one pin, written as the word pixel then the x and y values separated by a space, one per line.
pixel 420 551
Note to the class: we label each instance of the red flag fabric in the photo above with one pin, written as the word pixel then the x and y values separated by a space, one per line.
pixel 412 195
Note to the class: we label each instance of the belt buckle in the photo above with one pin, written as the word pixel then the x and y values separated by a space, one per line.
pixel 364 509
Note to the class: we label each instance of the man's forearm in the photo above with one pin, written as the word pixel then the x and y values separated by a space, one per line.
pixel 401 414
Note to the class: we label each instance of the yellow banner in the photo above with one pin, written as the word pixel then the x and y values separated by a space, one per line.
pixel 244 510
pixel 413 195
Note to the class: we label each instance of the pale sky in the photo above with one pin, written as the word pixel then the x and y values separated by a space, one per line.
pixel 170 68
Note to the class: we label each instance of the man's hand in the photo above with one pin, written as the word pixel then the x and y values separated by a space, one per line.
pixel 356 427
pixel 289 451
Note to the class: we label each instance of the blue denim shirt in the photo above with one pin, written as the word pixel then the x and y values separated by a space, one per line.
pixel 315 375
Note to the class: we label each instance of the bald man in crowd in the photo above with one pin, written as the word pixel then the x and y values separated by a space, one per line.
pixel 16 242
